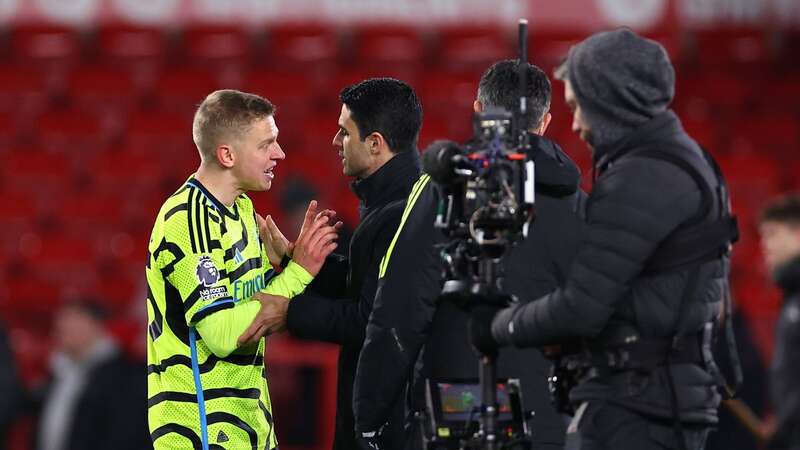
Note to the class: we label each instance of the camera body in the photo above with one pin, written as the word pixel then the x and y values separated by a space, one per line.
pixel 488 203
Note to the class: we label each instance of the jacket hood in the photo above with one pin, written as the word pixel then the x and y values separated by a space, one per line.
pixel 620 81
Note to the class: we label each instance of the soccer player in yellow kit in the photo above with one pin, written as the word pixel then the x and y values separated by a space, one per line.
pixel 213 291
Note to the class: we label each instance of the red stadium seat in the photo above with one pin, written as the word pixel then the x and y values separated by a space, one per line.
pixel 132 46
pixel 216 44
pixel 167 131
pixel 752 178
pixel 776 135
pixel 80 211
pixel 451 93
pixel 102 89
pixel 30 169
pixel 388 46
pixel 48 45
pixel 23 89
pixel 702 126
pixel 473 47
pixel 134 171
pixel 300 46
pixel 21 214
pixel 730 48
pixel 70 131
pixel 792 175
pixel 294 94
pixel 721 90
pixel 64 259
pixel 548 47
pixel 29 297
pixel 8 130
pixel 181 90
pixel 781 91
pixel 434 127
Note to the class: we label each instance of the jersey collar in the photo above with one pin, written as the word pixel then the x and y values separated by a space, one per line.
pixel 195 183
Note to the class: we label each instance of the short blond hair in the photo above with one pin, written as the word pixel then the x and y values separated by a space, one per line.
pixel 224 114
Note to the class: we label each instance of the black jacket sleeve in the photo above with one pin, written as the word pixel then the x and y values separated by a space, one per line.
pixel 331 281
pixel 632 208
pixel 339 320
pixel 401 315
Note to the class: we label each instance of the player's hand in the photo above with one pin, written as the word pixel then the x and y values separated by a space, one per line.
pixel 317 239
pixel 275 243
pixel 271 318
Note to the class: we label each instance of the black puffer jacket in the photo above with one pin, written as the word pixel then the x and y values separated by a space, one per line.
pixel 785 370
pixel 636 203
pixel 407 317
pixel 338 311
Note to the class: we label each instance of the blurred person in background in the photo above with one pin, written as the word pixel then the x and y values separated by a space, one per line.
pixel 377 141
pixel 95 397
pixel 294 199
pixel 213 293
pixel 407 314
pixel 651 274
pixel 10 388
pixel 780 241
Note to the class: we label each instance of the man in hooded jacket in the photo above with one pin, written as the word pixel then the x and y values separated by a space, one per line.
pixel 642 287
pixel 406 315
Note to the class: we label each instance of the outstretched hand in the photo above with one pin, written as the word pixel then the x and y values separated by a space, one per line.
pixel 275 243
pixel 317 238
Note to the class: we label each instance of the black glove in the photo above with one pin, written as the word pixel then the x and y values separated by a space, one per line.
pixel 368 440
pixel 480 329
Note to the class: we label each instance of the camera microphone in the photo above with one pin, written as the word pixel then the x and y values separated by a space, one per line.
pixel 441 159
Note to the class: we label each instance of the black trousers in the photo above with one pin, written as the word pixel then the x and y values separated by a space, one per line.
pixel 604 426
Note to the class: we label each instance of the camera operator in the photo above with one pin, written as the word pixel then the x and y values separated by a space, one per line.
pixel 406 315
pixel 651 272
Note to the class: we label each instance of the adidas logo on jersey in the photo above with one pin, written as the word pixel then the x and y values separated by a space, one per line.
pixel 222 437
pixel 238 257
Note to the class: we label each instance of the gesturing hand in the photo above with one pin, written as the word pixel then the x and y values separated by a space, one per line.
pixel 275 243
pixel 271 318
pixel 317 238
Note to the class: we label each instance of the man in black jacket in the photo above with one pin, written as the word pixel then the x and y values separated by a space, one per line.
pixel 780 239
pixel 377 140
pixel 406 314
pixel 652 270
pixel 96 398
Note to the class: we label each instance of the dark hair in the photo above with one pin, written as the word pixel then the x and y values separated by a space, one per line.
pixel 224 114
pixel 784 209
pixel 90 306
pixel 499 88
pixel 386 106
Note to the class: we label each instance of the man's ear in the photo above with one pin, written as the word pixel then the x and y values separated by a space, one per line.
pixel 545 123
pixel 477 106
pixel 375 142
pixel 225 156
